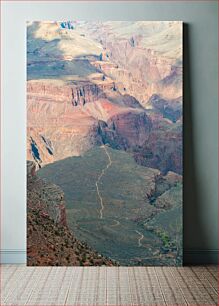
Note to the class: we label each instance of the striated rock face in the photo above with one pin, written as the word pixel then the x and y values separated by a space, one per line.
pixel 56 129
pixel 97 93
pixel 133 128
pixel 81 93
pixel 142 76
pixel 144 64
pixel 66 120
pixel 45 197
pixel 163 148
pixel 49 241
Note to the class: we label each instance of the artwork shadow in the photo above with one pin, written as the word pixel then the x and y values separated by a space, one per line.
pixel 192 224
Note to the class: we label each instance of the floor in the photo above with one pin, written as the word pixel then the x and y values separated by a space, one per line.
pixel 79 286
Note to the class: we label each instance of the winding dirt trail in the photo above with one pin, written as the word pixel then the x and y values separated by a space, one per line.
pixel 116 223
pixel 99 179
pixel 140 238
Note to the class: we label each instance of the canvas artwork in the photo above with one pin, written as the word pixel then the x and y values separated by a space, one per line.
pixel 104 143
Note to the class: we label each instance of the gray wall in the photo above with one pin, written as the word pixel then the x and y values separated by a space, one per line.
pixel 200 111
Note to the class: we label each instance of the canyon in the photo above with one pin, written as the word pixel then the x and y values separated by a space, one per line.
pixel 95 97
pixel 95 87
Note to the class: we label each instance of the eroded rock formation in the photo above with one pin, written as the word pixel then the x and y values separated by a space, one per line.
pixel 115 87
pixel 66 120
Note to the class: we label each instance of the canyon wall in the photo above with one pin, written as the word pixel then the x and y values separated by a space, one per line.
pixel 115 87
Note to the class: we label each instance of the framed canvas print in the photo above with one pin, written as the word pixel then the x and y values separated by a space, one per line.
pixel 104 143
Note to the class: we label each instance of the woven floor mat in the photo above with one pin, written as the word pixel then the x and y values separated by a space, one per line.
pixel 124 286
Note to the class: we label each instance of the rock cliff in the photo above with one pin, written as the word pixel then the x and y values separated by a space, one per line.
pixel 144 64
pixel 65 120
pixel 45 197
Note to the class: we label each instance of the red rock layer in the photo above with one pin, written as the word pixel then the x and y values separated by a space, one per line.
pixel 58 127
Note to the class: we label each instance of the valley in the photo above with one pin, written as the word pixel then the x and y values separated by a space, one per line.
pixel 119 228
pixel 104 126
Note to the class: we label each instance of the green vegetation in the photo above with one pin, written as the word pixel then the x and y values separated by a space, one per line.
pixel 167 225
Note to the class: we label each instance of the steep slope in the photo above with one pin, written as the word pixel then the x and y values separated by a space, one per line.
pixel 49 38
pixel 164 146
pixel 168 224
pixel 44 197
pixel 49 241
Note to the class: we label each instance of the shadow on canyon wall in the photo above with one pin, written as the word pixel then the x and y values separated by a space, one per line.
pixel 52 67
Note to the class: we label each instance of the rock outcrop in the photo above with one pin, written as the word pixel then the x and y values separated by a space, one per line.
pixel 170 109
pixel 132 128
pixel 76 94
pixel 45 197
pixel 163 149
pixel 65 120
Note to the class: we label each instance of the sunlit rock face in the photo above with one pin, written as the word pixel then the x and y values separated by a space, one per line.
pixel 65 120
pixel 146 57
pixel 91 83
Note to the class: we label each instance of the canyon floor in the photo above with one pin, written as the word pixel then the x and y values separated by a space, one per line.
pixel 108 206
